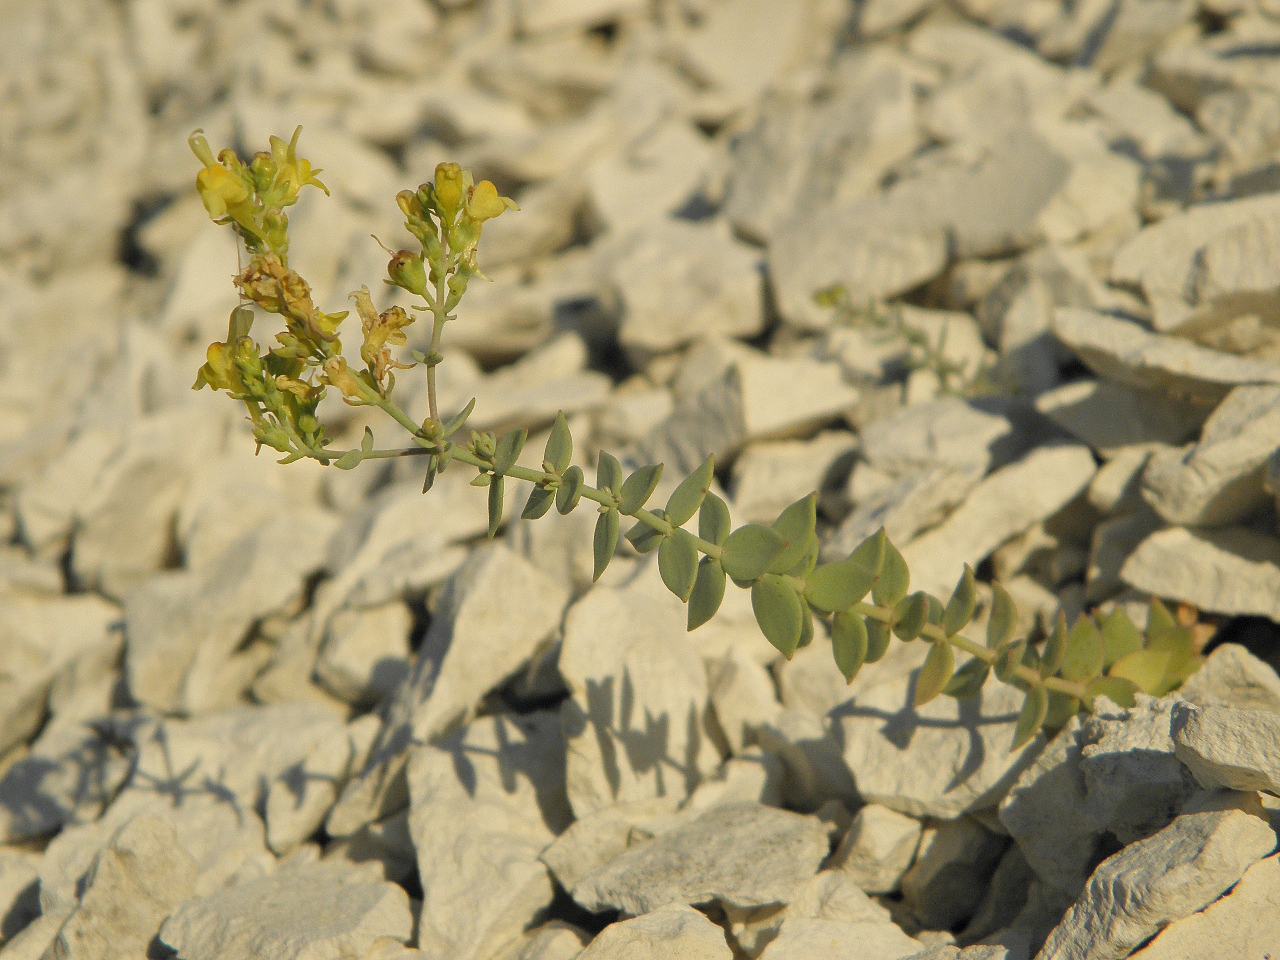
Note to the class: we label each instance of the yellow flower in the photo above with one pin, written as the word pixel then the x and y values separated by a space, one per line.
pixel 338 374
pixel 291 170
pixel 485 204
pixel 223 193
pixel 451 183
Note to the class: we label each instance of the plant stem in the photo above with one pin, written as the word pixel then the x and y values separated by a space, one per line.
pixel 439 316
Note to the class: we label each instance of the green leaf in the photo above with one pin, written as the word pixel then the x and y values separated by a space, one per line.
pixel 968 680
pixel 806 625
pixel 796 526
pixel 1083 651
pixel 643 537
pixel 804 566
pixel 539 502
pixel 508 450
pixel 687 497
pixel 1159 620
pixel 878 637
pixel 959 608
pixel 708 591
pixel 495 504
pixel 1030 717
pixel 480 480
pixel 1054 647
pixel 1118 690
pixel 910 615
pixel 559 450
pixel 349 460
pixel 713 520
pixel 605 541
pixel 894 579
pixel 570 490
pixel 1004 618
pixel 870 552
pixel 638 488
pixel 433 468
pixel 849 644
pixel 749 550
pixel 939 667
pixel 678 563
pixel 454 423
pixel 778 610
pixel 608 472
pixel 836 587
pixel 1062 707
pixel 1119 636
pixel 366 442
pixel 1010 659
pixel 1147 669
pixel 934 611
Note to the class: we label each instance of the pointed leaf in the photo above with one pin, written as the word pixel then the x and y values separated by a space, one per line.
pixel 1119 636
pixel 608 472
pixel 1030 717
pixel 713 520
pixel 1083 651
pixel 749 550
pixel 878 637
pixel 678 563
pixel 349 460
pixel 910 615
pixel 1159 620
pixel 849 644
pixel 796 525
pixel 959 610
pixel 570 489
pixel 778 611
pixel 895 578
pixel 968 680
pixel 1062 707
pixel 539 502
pixel 708 591
pixel 1054 647
pixel 1146 669
pixel 687 497
pixel 1010 659
pixel 870 552
pixel 559 449
pixel 454 423
pixel 1004 618
pixel 495 504
pixel 934 610
pixel 605 541
pixel 366 442
pixel 836 587
pixel 433 468
pixel 638 488
pixel 508 450
pixel 939 666
pixel 644 537
pixel 1118 690
pixel 804 566
pixel 806 625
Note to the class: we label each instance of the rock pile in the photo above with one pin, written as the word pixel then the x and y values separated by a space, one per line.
pixel 294 712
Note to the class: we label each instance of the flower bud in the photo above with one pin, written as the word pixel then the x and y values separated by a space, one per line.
pixel 450 184
pixel 406 271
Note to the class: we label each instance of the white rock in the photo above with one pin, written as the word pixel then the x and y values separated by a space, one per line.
pixel 387 843
pixel 816 771
pixel 134 883
pixel 489 621
pixel 744 855
pixel 757 398
pixel 1126 353
pixel 769 477
pixel 365 654
pixel 672 930
pixel 1233 676
pixel 677 281
pixel 1111 416
pixel 19 892
pixel 308 912
pixel 1152 882
pixel 636 720
pixel 878 849
pixel 941 760
pixel 1241 924
pixel 35 938
pixel 478 826
pixel 590 842
pixel 1232 570
pixel 1226 747
pixel 945 432
pixel 1114 488
pixel 753 776
pixel 1006 503
pixel 1112 542
pixel 953 866
pixel 835 940
pixel 653 174
pixel 743 695
pixel 556 940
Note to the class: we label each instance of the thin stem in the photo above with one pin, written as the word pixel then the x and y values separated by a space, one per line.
pixel 439 316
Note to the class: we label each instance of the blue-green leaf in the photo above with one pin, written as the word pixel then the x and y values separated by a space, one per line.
pixel 1119 636
pixel 495 504
pixel 539 502
pixel 639 487
pixel 959 609
pixel 644 537
pixel 779 611
pixel 968 680
pixel 678 563
pixel 894 580
pixel 796 525
pixel 605 541
pixel 713 520
pixel 849 644
pixel 1030 717
pixel 708 592
pixel 608 473
pixel 838 586
pixel 878 637
pixel 1083 651
pixel 910 615
pixel 508 450
pixel 570 489
pixel 687 497
pixel 749 550
pixel 559 449
pixel 1004 618
pixel 939 666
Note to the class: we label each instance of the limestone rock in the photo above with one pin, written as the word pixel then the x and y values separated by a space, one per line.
pixel 953 865
pixel 591 842
pixel 835 940
pixel 1110 416
pixel 878 848
pixel 478 826
pixel 1232 570
pixel 19 892
pixel 1226 747
pixel 556 940
pixel 1232 676
pixel 365 654
pixel 744 855
pixel 769 477
pixel 671 930
pixel 743 695
pixel 1152 882
pixel 1126 353
pixel 657 172
pixel 636 721
pixel 308 912
pixel 946 432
